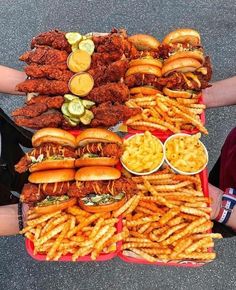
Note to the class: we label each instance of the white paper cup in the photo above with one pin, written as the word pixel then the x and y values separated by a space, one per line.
pixel 176 169
pixel 148 172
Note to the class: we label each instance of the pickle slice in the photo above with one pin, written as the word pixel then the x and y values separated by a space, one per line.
pixel 87 117
pixel 74 47
pixel 76 107
pixel 64 109
pixel 73 37
pixel 87 45
pixel 87 104
pixel 70 97
pixel 88 36
pixel 70 122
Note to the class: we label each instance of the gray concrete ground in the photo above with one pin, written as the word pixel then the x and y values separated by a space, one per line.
pixel 19 22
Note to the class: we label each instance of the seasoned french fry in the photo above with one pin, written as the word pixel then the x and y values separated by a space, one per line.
pixel 124 207
pixel 42 219
pixel 144 255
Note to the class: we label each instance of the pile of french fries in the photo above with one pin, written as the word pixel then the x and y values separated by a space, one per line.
pixel 168 220
pixel 72 231
pixel 163 113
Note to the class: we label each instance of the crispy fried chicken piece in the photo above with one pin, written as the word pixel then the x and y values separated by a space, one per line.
pixel 53 38
pixel 53 102
pixel 47 149
pixel 113 73
pixel 116 41
pixel 101 149
pixel 114 92
pixel 113 187
pixel 31 110
pixel 107 114
pixel 54 72
pixel 53 120
pixel 31 193
pixel 137 80
pixel 105 58
pixel 43 86
pixel 44 55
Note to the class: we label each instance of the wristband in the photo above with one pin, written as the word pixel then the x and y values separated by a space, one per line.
pixel 227 205
pixel 20 218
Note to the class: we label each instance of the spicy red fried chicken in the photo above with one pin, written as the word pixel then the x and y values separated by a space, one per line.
pixel 53 102
pixel 101 188
pixel 98 147
pixel 112 73
pixel 31 110
pixel 44 86
pixel 44 55
pixel 48 119
pixel 54 72
pixel 114 92
pixel 53 149
pixel 47 183
pixel 53 38
pixel 108 114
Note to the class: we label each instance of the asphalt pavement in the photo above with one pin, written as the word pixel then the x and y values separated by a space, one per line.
pixel 19 22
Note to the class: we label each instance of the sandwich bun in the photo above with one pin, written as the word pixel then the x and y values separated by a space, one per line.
pixel 93 135
pixel 51 176
pixel 93 161
pixel 144 90
pixel 181 65
pixel 144 69
pixel 97 173
pixel 52 164
pixel 176 94
pixel 61 205
pixel 146 61
pixel 183 35
pixel 104 207
pixel 195 54
pixel 144 42
pixel 54 135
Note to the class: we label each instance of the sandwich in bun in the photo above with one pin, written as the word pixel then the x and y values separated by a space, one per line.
pixel 98 147
pixel 183 35
pixel 101 188
pixel 144 42
pixel 50 186
pixel 180 65
pixel 53 149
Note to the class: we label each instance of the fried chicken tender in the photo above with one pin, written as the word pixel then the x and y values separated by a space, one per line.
pixel 114 92
pixel 31 110
pixel 107 114
pixel 54 72
pixel 44 55
pixel 105 58
pixel 53 38
pixel 44 86
pixel 113 73
pixel 53 120
pixel 137 80
pixel 53 102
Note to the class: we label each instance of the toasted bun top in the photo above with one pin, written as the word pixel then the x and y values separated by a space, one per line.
pixel 196 54
pixel 93 135
pixel 144 41
pixel 183 64
pixel 183 35
pixel 54 135
pixel 51 176
pixel 97 173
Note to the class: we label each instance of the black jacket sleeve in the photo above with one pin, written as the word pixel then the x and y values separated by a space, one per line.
pixel 22 136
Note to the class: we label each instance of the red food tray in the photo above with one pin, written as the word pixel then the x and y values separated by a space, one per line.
pixel 67 258
pixel 187 263
pixel 118 253
pixel 166 134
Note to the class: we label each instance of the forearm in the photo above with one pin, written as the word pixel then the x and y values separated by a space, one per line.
pixel 9 79
pixel 9 220
pixel 216 199
pixel 222 93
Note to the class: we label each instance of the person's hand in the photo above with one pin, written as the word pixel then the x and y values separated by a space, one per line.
pixel 215 195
